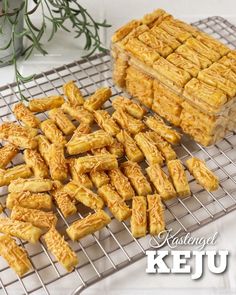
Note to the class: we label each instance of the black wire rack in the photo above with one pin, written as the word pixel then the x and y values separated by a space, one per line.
pixel 114 248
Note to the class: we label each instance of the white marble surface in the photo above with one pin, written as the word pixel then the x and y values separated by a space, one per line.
pixel 64 49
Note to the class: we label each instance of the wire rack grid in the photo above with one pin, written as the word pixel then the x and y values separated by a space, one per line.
pixel 114 248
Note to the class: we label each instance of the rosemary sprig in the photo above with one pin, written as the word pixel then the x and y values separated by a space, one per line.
pixel 67 15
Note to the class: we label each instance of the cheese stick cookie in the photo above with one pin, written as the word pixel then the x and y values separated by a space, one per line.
pixel 83 128
pixel 163 146
pixel 128 122
pixel 179 178
pixel 134 173
pixel 43 147
pixel 95 101
pixel 156 214
pixel 22 230
pixel 161 182
pixel 138 221
pixel 114 202
pixel 57 162
pixel 64 202
pixel 88 225
pixel 6 176
pixel 78 113
pixel 149 149
pixel 29 200
pixel 205 177
pixel 60 249
pixel 61 120
pixel 99 178
pixel 116 148
pixel 7 153
pixel 36 217
pixel 96 163
pixel 34 185
pixel 51 131
pixel 73 94
pixel 83 195
pixel 34 160
pixel 15 255
pixel 121 184
pixel 89 141
pixel 23 114
pixel 158 125
pixel 78 177
pixel 132 151
pixel 20 136
pixel 105 121
pixel 46 104
pixel 129 106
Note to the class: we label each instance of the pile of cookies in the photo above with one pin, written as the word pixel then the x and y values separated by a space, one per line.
pixel 183 74
pixel 84 155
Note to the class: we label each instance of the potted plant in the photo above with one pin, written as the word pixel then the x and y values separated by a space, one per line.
pixel 16 24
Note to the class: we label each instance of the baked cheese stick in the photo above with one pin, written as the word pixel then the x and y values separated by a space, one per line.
pixel 149 149
pixel 36 217
pixel 125 30
pixel 61 120
pixel 83 128
pixel 99 178
pixel 20 136
pixel 60 249
pixel 129 106
pixel 132 151
pixel 15 255
pixel 83 195
pixel 78 177
pixel 46 104
pixel 84 143
pixel 179 178
pixel 63 201
pixel 23 114
pixel 121 184
pixel 161 182
pixel 88 225
pixel 201 48
pixel 155 214
pixel 134 173
pixel 114 202
pixel 128 122
pixel 165 37
pixel 29 200
pixel 34 185
pixel 6 176
pixel 163 146
pixel 7 153
pixel 96 163
pixel 57 162
pixel 205 177
pixel 51 131
pixel 73 94
pixel 43 147
pixel 116 148
pixel 157 124
pixel 138 220
pixel 104 121
pixel 95 101
pixel 22 230
pixel 34 160
pixel 78 113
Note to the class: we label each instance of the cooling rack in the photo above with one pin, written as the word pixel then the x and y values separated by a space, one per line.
pixel 114 248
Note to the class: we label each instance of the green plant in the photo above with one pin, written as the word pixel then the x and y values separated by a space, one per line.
pixel 68 15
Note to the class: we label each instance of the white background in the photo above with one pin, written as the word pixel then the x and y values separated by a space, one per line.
pixel 64 49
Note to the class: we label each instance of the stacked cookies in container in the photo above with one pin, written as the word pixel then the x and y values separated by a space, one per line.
pixel 184 75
